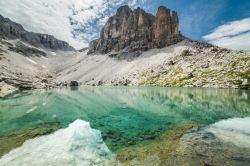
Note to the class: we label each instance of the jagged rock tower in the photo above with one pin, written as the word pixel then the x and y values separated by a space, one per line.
pixel 136 30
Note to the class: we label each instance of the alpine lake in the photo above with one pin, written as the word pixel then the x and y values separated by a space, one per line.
pixel 106 126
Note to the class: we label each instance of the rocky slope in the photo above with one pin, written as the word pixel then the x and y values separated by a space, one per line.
pixel 185 64
pixel 20 65
pixel 202 65
pixel 11 30
pixel 25 57
pixel 135 30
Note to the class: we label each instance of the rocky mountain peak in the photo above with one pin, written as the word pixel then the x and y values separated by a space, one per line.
pixel 123 10
pixel 163 12
pixel 136 30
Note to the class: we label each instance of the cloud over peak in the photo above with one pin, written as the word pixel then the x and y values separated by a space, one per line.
pixel 74 21
pixel 234 35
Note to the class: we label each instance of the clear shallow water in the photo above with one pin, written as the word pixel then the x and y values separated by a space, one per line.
pixel 124 118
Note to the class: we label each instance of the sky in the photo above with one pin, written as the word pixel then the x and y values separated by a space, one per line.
pixel 225 23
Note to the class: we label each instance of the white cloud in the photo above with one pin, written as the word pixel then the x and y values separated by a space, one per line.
pixel 233 35
pixel 74 21
pixel 239 42
pixel 43 16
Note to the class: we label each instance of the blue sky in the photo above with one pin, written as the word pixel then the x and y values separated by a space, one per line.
pixel 225 23
pixel 201 17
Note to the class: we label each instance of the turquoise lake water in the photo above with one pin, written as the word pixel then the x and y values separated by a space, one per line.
pixel 122 117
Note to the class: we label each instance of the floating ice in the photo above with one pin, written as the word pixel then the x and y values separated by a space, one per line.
pixel 236 131
pixel 77 144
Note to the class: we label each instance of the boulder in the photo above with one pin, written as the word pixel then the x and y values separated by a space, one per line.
pixel 74 83
pixel 246 81
pixel 185 53
pixel 6 89
pixel 246 84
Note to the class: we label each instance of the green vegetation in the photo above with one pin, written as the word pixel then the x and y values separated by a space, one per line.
pixel 229 74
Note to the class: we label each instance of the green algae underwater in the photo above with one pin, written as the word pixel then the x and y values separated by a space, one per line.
pixel 134 122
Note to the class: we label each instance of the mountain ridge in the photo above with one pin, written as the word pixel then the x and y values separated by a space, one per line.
pixel 11 30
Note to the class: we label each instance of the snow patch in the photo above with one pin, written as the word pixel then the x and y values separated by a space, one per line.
pixel 236 131
pixel 30 60
pixel 77 144
pixel 53 53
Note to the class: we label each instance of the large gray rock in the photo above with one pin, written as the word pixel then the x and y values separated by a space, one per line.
pixel 136 30
pixel 12 30
pixel 73 83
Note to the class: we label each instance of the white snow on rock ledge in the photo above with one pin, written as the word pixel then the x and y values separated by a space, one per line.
pixel 30 60
pixel 53 53
pixel 235 131
pixel 77 144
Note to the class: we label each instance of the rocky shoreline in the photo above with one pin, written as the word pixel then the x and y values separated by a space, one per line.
pixel 202 147
pixel 6 89
pixel 188 145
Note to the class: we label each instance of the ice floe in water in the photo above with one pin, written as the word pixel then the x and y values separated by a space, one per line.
pixel 77 144
pixel 236 131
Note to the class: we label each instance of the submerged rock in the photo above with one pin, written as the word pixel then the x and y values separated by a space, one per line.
pixel 224 143
pixel 154 151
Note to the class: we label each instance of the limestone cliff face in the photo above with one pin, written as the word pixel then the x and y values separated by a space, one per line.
pixel 12 30
pixel 132 30
pixel 128 25
pixel 165 27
